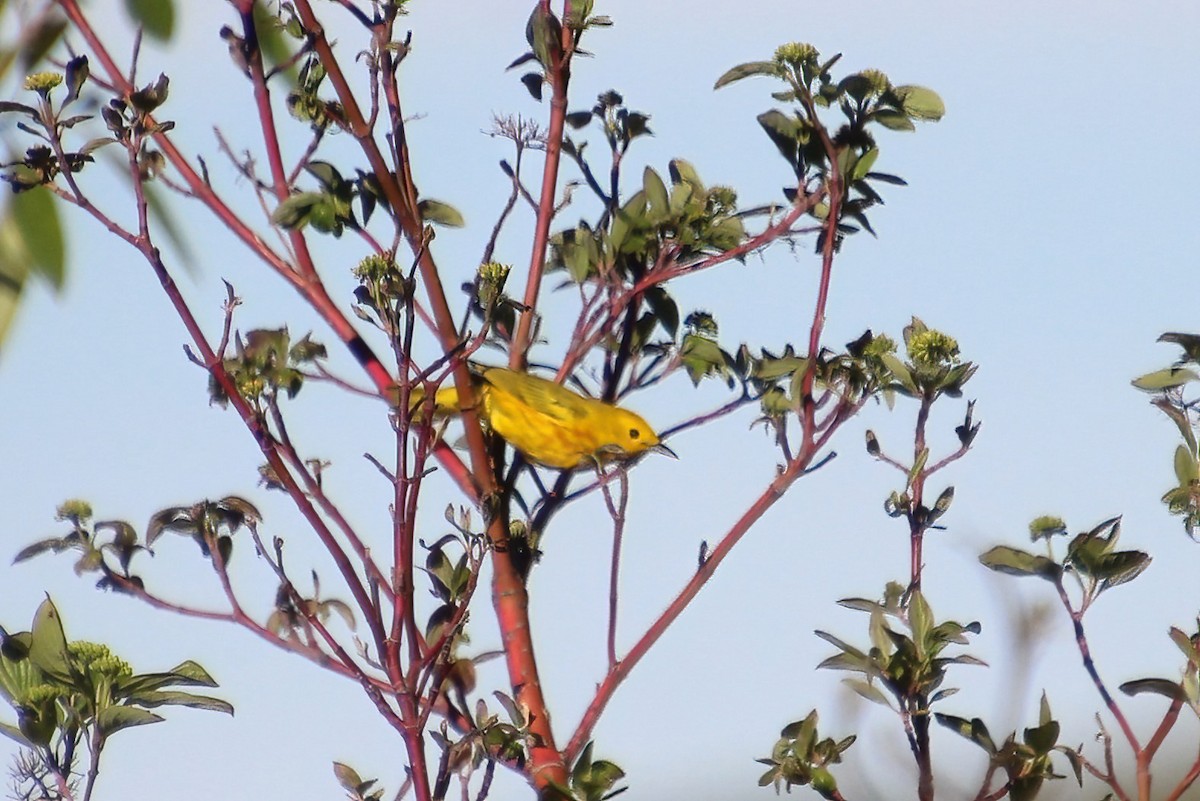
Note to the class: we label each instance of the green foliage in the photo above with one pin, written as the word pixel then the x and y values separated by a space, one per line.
pixel 594 779
pixel 293 614
pixel 155 17
pixel 1091 557
pixel 490 738
pixel 683 224
pixel 1169 387
pixel 67 693
pixel 1026 763
pixel 865 99
pixel 906 654
pixel 266 363
pixel 355 786
pixel 801 758
pixel 304 102
pixel 211 524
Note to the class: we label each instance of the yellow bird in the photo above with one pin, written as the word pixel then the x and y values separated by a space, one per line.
pixel 550 424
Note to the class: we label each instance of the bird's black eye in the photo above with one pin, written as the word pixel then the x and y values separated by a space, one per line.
pixel 634 433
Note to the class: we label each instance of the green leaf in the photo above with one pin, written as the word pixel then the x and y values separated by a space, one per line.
pixel 1167 378
pixel 1043 738
pixel 114 718
pixel 439 213
pixel 664 308
pixel 36 215
pixel 12 105
pixel 1076 762
pixel 157 17
pixel 157 698
pixel 52 544
pixel 974 730
pixel 296 210
pixel 13 733
pixel 1120 567
pixel 920 617
pixel 918 465
pixel 920 103
pixel 862 166
pixel 40 38
pixel 77 71
pixel 784 131
pixel 346 776
pixel 48 648
pixel 1016 562
pixel 1185 645
pixel 868 691
pixel 682 172
pixel 1163 687
pixel 579 119
pixel 656 195
pixel 187 674
pixel 900 370
pixel 893 120
pixel 748 70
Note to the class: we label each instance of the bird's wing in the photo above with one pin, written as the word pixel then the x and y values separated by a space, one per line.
pixel 544 397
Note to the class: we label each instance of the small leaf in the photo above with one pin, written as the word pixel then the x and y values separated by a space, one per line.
pixel 36 215
pixel 1120 567
pixel 533 83
pixel 920 103
pixel 1021 563
pixel 974 730
pixel 435 211
pixel 1163 687
pixel 346 776
pixel 579 119
pixel 76 75
pixel 114 718
pixel 747 70
pixel 13 733
pixel 48 648
pixel 179 698
pixel 1185 644
pixel 296 210
pixel 893 120
pixel 1042 738
pixel 656 194
pixel 1168 378
pixel 157 17
pixel 868 691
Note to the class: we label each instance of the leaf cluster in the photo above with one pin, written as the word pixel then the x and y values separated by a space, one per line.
pixel 865 99
pixel 67 692
pixel 906 654
pixel 1025 763
pixel 265 363
pixel 683 223
pixel 211 524
pixel 543 33
pixel 491 738
pixel 292 612
pixel 43 163
pixel 1091 556
pixel 800 757
pixel 1169 387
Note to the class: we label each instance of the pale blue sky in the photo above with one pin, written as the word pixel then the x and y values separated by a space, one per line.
pixel 1049 226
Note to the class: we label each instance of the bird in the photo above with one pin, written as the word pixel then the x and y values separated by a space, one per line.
pixel 548 423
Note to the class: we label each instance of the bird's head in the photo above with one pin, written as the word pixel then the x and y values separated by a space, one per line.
pixel 630 435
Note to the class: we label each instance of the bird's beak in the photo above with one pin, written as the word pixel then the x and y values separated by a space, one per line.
pixel 663 449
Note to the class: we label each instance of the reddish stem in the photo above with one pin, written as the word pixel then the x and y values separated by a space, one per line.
pixel 559 76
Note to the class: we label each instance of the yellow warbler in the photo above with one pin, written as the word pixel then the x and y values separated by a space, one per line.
pixel 550 424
